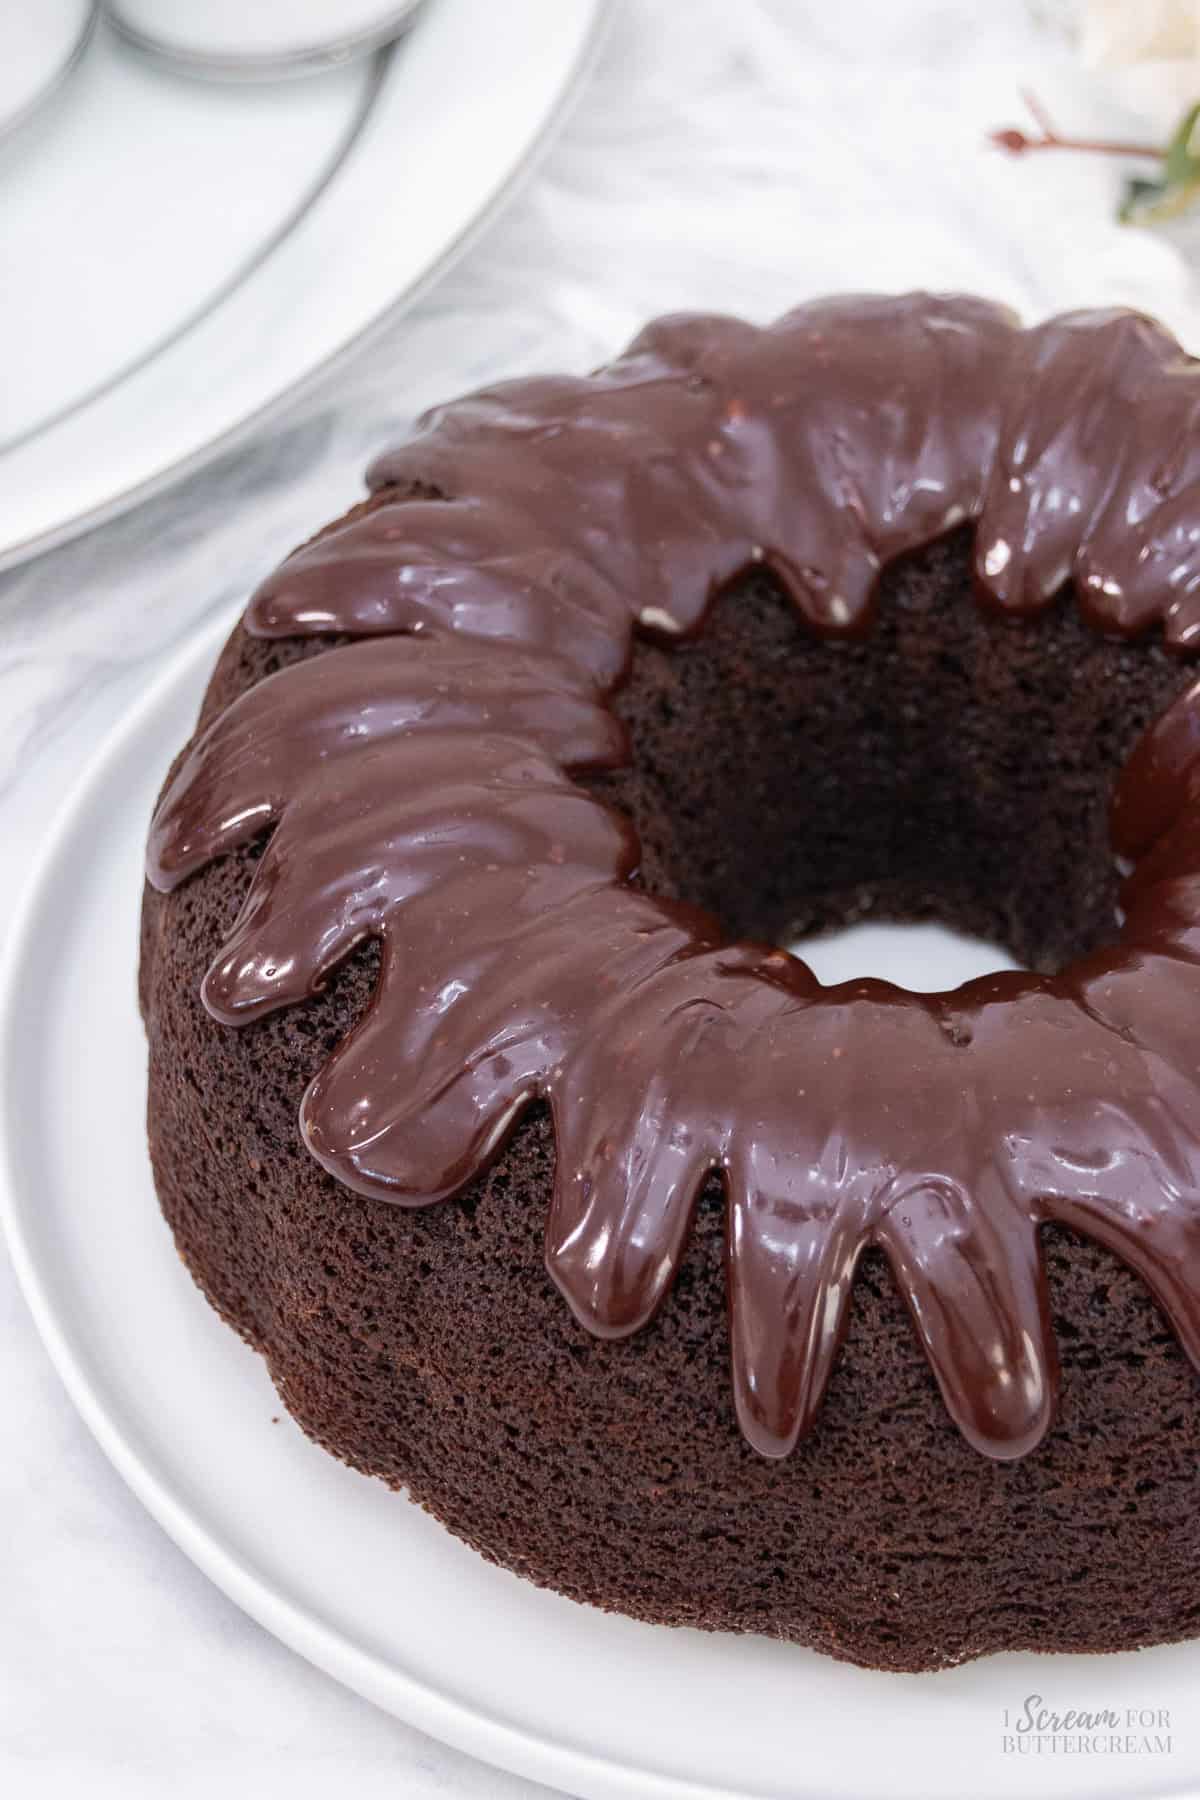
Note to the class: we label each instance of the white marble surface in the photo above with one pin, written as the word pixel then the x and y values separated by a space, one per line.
pixel 731 154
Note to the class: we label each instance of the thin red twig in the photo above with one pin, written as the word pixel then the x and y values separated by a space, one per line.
pixel 1018 141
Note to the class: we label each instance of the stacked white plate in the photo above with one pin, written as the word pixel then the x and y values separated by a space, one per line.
pixel 180 255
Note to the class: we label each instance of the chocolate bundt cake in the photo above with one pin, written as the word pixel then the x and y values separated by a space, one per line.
pixel 660 1273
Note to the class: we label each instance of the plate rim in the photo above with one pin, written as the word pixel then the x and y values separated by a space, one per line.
pixel 59 76
pixel 595 20
pixel 423 1703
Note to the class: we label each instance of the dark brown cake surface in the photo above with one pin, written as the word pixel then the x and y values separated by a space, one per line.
pixel 951 763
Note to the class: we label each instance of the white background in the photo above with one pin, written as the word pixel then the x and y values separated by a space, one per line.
pixel 729 154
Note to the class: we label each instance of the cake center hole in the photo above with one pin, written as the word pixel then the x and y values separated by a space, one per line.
pixel 926 958
pixel 945 780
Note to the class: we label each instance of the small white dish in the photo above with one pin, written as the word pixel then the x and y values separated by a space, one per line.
pixel 167 299
pixel 351 1575
pixel 226 40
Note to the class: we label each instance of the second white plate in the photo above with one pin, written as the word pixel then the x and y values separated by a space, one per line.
pixel 216 248
pixel 351 1575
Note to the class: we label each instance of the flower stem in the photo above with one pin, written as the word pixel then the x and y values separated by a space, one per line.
pixel 1018 141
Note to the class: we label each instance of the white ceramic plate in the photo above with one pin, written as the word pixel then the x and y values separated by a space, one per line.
pixel 41 46
pixel 348 1573
pixel 182 256
pixel 226 40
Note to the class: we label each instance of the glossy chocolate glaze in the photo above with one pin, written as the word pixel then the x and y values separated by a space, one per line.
pixel 420 789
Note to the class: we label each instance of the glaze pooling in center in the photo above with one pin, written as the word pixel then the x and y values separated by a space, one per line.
pixel 421 793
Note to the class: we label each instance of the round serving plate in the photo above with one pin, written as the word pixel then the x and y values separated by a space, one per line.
pixel 350 1574
pixel 181 256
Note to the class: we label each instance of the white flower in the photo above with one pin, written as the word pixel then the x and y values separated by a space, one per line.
pixel 1129 31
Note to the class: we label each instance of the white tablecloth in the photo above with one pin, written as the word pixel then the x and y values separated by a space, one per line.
pixel 732 154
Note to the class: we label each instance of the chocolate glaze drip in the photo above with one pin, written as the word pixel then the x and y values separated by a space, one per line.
pixel 420 793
